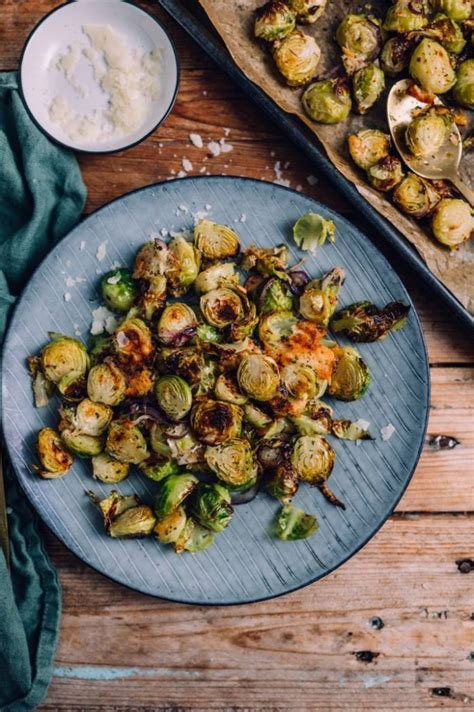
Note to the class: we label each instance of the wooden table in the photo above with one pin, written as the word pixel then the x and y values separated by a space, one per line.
pixel 391 629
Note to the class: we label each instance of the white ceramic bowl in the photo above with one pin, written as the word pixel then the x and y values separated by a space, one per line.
pixel 41 81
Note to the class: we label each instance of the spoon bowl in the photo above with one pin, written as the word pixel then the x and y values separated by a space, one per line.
pixel 442 164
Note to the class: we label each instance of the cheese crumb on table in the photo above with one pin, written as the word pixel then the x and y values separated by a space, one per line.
pixel 387 432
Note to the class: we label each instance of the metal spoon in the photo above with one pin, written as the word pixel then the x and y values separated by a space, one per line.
pixel 442 164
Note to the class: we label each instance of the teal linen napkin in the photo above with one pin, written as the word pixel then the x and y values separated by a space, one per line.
pixel 41 198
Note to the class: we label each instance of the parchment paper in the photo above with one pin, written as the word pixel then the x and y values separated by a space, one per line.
pixel 234 19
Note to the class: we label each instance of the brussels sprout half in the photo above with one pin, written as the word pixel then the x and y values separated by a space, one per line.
pixel 211 506
pixel 282 482
pixel 133 523
pixel 109 470
pixel 82 445
pixel 177 325
pixel 174 396
pixel 416 196
pixel 227 389
pixel 168 529
pixel 313 459
pixel 405 16
pixel 215 422
pixel 365 322
pixel 312 230
pixel 293 523
pixel 368 84
pixel 151 260
pixel 221 307
pixel 186 450
pixel 327 101
pixel 157 471
pixel 360 38
pixel 64 361
pixel 351 377
pixel 118 290
pixel 452 222
pixel 126 443
pixel 186 362
pixel 447 32
pixel 386 173
pixel 55 459
pixel 463 91
pixel 275 296
pixel 215 241
pixel 299 379
pixel 193 538
pixel 256 417
pixel 368 147
pixel 88 418
pixel 427 132
pixel 173 490
pixel 267 261
pixel 297 57
pixel 215 276
pixel 307 11
pixel 274 21
pixel 233 462
pixel 106 384
pixel 431 67
pixel 458 10
pixel 395 55
pixel 152 297
pixel 184 262
pixel 133 342
pixel 258 376
pixel 319 300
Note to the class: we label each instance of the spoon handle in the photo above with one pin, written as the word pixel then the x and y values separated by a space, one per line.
pixel 463 189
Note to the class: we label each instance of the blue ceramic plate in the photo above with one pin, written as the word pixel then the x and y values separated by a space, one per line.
pixel 245 563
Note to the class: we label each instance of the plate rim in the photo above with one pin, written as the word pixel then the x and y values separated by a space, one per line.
pixel 372 532
pixel 70 146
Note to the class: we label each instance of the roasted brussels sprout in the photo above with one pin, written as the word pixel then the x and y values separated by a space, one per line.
pixel 368 84
pixel 351 377
pixel 126 443
pixel 209 334
pixel 307 11
pixel 215 422
pixel 386 173
pixel 427 132
pixel 312 230
pixel 132 341
pixel 258 376
pixel 245 325
pixel 365 322
pixel 186 362
pixel 463 91
pixel 215 241
pixel 118 290
pixel 114 505
pixel 313 459
pixel 267 261
pixel 415 196
pixel 184 262
pixel 431 67
pixel 458 10
pixel 368 147
pixel 168 529
pixel 152 296
pixel 319 423
pixel 274 21
pixel 174 396
pixel 211 506
pixel 172 493
pixel 319 300
pixel 177 325
pixel 88 418
pixel 348 430
pixel 42 388
pixel 55 460
pixel 297 57
pixel 447 32
pixel 221 307
pixel 395 55
pixel 215 276
pixel 82 445
pixel 275 296
pixel 256 417
pixel 227 389
pixel 64 361
pixel 327 101
pixel 406 16
pixel 106 383
pixel 109 470
pixel 452 222
pixel 360 38
pixel 233 462
pixel 193 538
pixel 299 379
pixel 151 260
pixel 282 482
pixel 186 450
pixel 293 523
pixel 133 523
pixel 157 471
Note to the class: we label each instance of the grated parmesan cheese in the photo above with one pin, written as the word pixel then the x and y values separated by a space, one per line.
pixel 101 251
pixel 103 320
pixel 387 432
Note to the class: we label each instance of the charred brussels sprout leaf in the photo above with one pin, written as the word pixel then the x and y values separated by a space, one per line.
pixel 215 276
pixel 351 377
pixel 458 10
pixel 157 471
pixel 426 133
pixel 108 470
pixel 282 482
pixel 274 21
pixel 126 443
pixel 172 493
pixel 293 523
pixel 348 430
pixel 368 147
pixel 256 417
pixel 415 196
pixel 313 459
pixel 431 67
pixel 368 84
pixel 132 341
pixel 365 322
pixel 360 38
pixel 174 396
pixel 267 261
pixel 275 296
pixel 312 230
pixel 319 300
pixel 386 173
pixel 186 362
pixel 152 297
pixel 452 222
pixel 297 57
pixel 209 334
pixel 319 425
pixel 55 460
pixel 215 241
pixel 307 11
pixel 215 422
pixel 118 290
pixel 168 529
pixel 106 384
pixel 177 325
pixel 193 538
pixel 447 32
pixel 463 91
pixel 221 307
pixel 64 361
pixel 232 462
pixel 184 262
pixel 405 16
pixel 133 523
pixel 327 101
pixel 227 389
pixel 211 506
pixel 258 376
pixel 395 55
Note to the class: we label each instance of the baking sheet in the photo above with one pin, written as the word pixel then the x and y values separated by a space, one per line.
pixel 234 22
